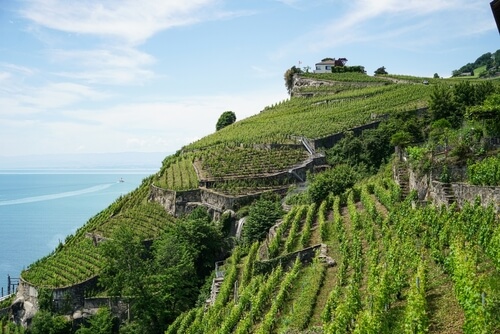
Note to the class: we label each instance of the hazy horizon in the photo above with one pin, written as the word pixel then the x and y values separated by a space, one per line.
pixel 120 160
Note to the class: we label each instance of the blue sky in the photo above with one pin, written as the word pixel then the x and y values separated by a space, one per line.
pixel 95 76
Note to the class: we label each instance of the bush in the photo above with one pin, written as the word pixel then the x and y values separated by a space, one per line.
pixel 262 215
pixel 45 323
pixel 485 172
pixel 334 181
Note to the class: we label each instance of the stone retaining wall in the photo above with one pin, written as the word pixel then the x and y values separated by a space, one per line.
pixel 433 190
pixel 468 193
pixel 66 298
pixel 305 255
pixel 330 141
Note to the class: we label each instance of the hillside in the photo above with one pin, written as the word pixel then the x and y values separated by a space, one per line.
pixel 487 65
pixel 399 265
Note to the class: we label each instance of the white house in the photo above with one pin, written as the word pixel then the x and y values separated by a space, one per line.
pixel 325 66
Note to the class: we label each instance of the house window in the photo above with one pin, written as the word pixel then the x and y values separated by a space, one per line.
pixel 318 68
pixel 328 67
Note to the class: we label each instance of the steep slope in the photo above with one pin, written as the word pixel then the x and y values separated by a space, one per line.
pixel 382 246
pixel 399 270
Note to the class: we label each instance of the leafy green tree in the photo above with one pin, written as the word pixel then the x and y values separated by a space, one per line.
pixel 381 70
pixel 204 237
pixel 442 105
pixel 126 263
pixel 401 138
pixel 262 215
pixel 225 119
pixel 100 323
pixel 369 150
pixel 289 78
pixel 333 181
pixel 45 323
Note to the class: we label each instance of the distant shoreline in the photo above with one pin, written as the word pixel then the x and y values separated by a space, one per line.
pixel 64 170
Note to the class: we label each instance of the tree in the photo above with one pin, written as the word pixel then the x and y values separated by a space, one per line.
pixel 225 119
pixel 45 323
pixel 261 217
pixel 381 70
pixel 442 105
pixel 436 76
pixel 100 323
pixel 289 78
pixel 163 280
pixel 333 181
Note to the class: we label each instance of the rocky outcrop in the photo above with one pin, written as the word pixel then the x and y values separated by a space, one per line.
pixel 299 83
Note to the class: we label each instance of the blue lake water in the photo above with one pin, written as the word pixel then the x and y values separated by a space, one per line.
pixel 40 208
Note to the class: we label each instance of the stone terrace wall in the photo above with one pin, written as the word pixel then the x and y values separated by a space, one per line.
pixel 330 141
pixel 468 193
pixel 223 202
pixel 74 294
pixel 163 196
pixel 305 255
pixel 429 189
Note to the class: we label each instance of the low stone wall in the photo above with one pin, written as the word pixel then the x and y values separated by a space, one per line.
pixel 433 190
pixel 174 202
pixel 330 141
pixel 305 255
pixel 437 193
pixel 163 196
pixel 420 183
pixel 117 306
pixel 67 298
pixel 468 193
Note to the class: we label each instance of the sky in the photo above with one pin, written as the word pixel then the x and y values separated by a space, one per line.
pixel 103 76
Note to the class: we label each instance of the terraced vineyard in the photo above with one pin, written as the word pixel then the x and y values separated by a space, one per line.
pixel 240 161
pixel 147 220
pixel 354 230
pixel 66 267
pixel 239 150
pixel 317 117
pixel 399 270
pixel 79 259
pixel 345 77
pixel 179 174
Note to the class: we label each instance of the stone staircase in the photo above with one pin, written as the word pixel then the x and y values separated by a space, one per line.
pixel 403 180
pixel 449 194
pixel 216 284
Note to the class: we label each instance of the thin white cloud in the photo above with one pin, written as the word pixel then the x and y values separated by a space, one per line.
pixel 362 21
pixel 130 21
pixel 115 66
pixel 31 100
pixel 4 76
pixel 22 70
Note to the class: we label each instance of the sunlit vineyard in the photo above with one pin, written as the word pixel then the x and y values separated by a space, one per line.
pixel 319 116
pixel 179 174
pixel 345 77
pixel 400 269
pixel 68 266
pixel 239 161
pixel 78 259
pixel 147 220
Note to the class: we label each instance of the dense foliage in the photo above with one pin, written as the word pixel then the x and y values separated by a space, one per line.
pixel 262 215
pixel 485 172
pixel 161 281
pixel 225 119
pixel 489 60
pixel 390 255
pixel 334 181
